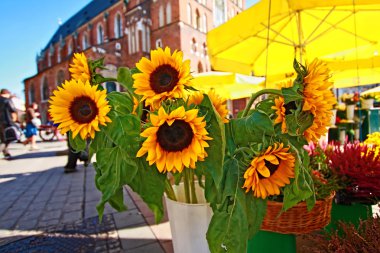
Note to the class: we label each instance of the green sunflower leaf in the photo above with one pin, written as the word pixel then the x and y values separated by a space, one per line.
pixel 124 77
pixel 213 163
pixel 121 103
pixel 113 170
pixel 291 94
pixel 124 131
pixel 251 128
pixel 78 144
pixel 228 229
pixel 150 185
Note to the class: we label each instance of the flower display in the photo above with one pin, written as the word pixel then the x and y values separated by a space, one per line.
pixel 350 99
pixel 358 168
pixel 270 171
pixel 164 76
pixel 79 69
pixel 160 130
pixel 80 108
pixel 175 140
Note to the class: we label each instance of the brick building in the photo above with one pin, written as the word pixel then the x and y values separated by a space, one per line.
pixel 122 32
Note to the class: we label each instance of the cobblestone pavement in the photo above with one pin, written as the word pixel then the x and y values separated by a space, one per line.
pixel 43 208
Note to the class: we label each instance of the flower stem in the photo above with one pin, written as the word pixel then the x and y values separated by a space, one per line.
pixel 186 185
pixel 169 190
pixel 256 95
pixel 194 199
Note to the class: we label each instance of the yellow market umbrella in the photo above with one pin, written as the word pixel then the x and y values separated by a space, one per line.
pixel 375 91
pixel 265 45
pixel 227 84
pixel 344 73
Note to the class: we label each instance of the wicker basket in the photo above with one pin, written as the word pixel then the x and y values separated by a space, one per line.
pixel 297 220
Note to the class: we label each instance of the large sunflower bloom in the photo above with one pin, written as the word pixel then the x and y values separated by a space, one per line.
pixel 79 68
pixel 280 111
pixel 318 99
pixel 270 171
pixel 164 76
pixel 175 140
pixel 218 102
pixel 79 107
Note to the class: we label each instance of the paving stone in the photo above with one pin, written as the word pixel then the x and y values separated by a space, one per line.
pixel 50 215
pixel 149 248
pixel 133 237
pixel 71 216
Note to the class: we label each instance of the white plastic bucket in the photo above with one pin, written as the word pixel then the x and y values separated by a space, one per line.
pixel 189 222
pixel 350 110
pixel 333 117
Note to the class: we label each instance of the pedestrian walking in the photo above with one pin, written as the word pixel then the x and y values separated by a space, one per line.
pixel 31 128
pixel 7 110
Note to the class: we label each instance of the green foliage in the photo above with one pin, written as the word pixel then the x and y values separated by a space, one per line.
pixel 77 143
pixel 124 77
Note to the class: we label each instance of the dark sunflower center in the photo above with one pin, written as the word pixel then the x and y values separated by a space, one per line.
pixel 272 168
pixel 163 78
pixel 176 137
pixel 290 106
pixel 83 109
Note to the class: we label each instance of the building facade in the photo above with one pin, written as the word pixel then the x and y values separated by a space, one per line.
pixel 122 32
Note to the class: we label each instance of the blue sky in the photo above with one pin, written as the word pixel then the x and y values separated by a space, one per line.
pixel 26 28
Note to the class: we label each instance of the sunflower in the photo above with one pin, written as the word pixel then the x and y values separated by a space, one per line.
pixel 79 107
pixel 218 102
pixel 270 171
pixel 176 140
pixel 79 69
pixel 280 111
pixel 164 76
pixel 318 99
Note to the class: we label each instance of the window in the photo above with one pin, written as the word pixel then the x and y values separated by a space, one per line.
pixel 69 48
pixel 189 14
pixel 45 90
pixel 100 34
pixel 193 45
pixel 59 54
pixel 32 95
pixel 158 43
pixel 60 77
pixel 204 50
pixel 110 86
pixel 168 13
pixel 200 67
pixel 197 20
pixel 118 26
pixel 161 16
pixel 204 23
pixel 85 41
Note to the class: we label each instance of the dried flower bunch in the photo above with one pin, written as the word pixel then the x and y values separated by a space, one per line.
pixel 161 127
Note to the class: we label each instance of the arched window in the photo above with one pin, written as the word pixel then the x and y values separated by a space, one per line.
pixel 168 13
pixel 193 45
pixel 204 50
pixel 111 86
pixel 85 41
pixel 118 26
pixel 32 93
pixel 200 67
pixel 69 48
pixel 197 20
pixel 100 34
pixel 60 77
pixel 59 54
pixel 189 14
pixel 161 16
pixel 45 90
pixel 204 23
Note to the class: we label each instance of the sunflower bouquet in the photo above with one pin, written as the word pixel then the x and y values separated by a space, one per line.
pixel 161 131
